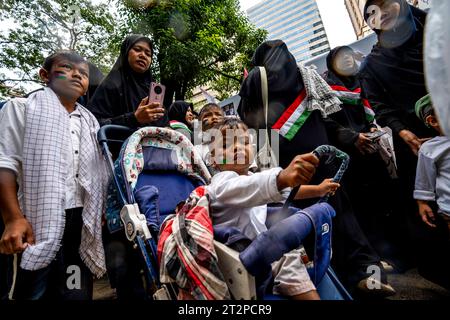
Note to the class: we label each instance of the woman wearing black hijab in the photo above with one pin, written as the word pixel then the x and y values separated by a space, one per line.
pixel 367 177
pixel 122 98
pixel 352 254
pixel 392 78
pixel 181 117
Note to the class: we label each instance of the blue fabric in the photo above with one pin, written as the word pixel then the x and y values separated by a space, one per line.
pixel 329 289
pixel 160 172
pixel 147 198
pixel 232 238
pixel 114 203
pixel 322 226
pixel 159 159
pixel 286 236
pixel 173 188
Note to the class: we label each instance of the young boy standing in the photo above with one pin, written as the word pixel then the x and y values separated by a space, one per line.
pixel 433 169
pixel 52 185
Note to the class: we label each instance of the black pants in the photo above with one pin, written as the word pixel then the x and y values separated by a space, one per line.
pixel 352 252
pixel 124 265
pixel 6 271
pixel 67 277
pixel 374 196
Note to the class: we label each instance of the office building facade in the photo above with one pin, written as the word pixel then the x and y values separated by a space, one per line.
pixel 297 22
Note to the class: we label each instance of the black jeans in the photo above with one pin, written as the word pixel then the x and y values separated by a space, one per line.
pixel 124 265
pixel 67 277
pixel 6 270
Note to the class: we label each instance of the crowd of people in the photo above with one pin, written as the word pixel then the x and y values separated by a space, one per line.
pixel 393 206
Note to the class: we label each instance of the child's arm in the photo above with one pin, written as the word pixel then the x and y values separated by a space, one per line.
pixel 319 191
pixel 17 229
pixel 425 190
pixel 231 190
pixel 426 213
pixel 18 232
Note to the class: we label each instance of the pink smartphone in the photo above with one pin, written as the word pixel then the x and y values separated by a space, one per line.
pixel 157 92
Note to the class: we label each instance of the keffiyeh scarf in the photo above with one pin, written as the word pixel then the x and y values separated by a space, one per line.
pixel 47 138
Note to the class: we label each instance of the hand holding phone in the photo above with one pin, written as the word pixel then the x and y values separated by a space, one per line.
pixel 157 92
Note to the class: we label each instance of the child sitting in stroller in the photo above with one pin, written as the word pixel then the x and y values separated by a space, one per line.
pixel 239 199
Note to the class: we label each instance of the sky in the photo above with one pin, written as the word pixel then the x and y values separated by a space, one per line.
pixel 335 18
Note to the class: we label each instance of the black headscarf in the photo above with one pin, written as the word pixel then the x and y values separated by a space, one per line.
pixel 178 110
pixel 405 26
pixel 284 82
pixel 119 95
pixel 351 116
pixel 334 78
pixel 393 76
pixel 95 78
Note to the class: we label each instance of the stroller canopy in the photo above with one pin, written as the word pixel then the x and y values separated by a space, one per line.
pixel 184 159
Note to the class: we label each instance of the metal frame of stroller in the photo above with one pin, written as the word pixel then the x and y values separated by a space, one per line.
pixel 136 229
pixel 240 283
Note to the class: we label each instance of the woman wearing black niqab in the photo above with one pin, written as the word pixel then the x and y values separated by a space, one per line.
pixel 367 176
pixel 126 87
pixel 393 80
pixel 352 253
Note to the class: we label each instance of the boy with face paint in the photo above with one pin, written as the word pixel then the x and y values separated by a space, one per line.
pixel 52 184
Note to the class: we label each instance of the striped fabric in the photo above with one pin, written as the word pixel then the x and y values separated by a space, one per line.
pixel 354 98
pixel 47 136
pixel 186 250
pixel 179 125
pixel 293 118
pixel 316 95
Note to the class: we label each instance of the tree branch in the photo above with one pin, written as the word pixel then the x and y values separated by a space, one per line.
pixel 224 74
pixel 19 80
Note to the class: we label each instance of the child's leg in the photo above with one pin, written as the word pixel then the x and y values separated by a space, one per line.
pixel 6 272
pixel 31 285
pixel 446 219
pixel 67 277
pixel 292 278
pixel 71 280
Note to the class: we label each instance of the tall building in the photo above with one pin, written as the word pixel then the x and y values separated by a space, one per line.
pixel 297 22
pixel 355 10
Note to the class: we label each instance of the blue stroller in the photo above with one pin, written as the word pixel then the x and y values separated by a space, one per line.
pixel 156 171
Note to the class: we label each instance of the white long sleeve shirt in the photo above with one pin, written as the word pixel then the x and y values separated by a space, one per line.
pixel 433 173
pixel 241 201
pixel 12 133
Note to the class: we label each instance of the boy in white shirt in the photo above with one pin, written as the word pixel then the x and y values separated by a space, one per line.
pixel 238 197
pixel 53 185
pixel 433 169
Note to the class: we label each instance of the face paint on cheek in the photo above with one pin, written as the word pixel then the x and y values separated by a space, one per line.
pixel 60 76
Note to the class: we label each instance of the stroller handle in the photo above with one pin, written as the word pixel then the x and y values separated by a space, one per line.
pixel 105 133
pixel 333 153
pixel 321 152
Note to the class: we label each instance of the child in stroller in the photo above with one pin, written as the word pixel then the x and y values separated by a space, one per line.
pixel 146 163
pixel 239 200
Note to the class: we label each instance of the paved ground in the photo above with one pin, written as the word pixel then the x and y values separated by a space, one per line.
pixel 409 286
